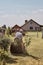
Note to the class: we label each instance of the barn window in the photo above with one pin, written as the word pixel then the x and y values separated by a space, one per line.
pixel 31 27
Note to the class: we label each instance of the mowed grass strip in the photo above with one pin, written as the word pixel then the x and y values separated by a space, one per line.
pixel 36 46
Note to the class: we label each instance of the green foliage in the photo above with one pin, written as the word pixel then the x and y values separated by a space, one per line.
pixel 27 41
pixel 4 43
pixel 9 31
pixel 2 55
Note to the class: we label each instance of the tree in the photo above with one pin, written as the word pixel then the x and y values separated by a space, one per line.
pixel 4 26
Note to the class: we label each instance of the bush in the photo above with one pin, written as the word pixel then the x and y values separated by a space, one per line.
pixel 4 43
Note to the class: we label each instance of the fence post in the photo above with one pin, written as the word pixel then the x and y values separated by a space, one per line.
pixel 37 32
pixel 42 32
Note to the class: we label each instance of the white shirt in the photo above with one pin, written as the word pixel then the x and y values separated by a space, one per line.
pixel 18 35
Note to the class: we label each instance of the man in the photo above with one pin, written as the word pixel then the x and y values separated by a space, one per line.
pixel 18 39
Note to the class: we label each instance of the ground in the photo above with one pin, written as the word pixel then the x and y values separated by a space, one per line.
pixel 35 51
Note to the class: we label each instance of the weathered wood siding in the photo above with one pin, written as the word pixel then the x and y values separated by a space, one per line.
pixel 27 26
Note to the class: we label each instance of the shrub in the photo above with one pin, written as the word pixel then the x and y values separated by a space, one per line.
pixel 4 45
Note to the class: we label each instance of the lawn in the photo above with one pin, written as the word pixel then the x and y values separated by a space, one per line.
pixel 36 46
pixel 35 51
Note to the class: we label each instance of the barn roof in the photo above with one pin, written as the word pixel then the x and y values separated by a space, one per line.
pixel 33 21
pixel 16 26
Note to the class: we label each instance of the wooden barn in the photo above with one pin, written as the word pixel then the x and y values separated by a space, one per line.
pixel 14 28
pixel 31 25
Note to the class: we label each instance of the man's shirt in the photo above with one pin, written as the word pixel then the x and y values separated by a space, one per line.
pixel 18 35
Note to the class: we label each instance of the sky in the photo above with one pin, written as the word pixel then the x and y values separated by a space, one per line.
pixel 17 11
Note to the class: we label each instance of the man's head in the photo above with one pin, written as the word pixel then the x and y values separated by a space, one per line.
pixel 21 30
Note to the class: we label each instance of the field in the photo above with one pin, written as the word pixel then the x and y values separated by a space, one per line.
pixel 35 51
